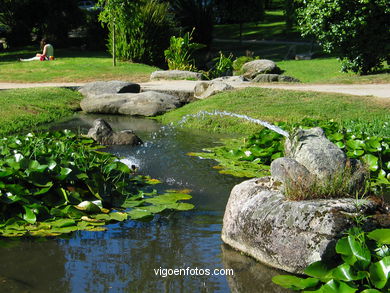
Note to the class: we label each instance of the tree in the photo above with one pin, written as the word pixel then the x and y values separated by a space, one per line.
pixel 139 30
pixel 196 14
pixel 113 12
pixel 24 18
pixel 358 31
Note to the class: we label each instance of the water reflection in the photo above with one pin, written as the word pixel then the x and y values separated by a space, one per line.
pixel 124 258
pixel 249 276
pixel 32 266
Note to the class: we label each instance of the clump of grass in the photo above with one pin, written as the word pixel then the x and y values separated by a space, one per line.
pixel 349 182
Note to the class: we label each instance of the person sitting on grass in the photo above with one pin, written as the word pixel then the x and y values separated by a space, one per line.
pixel 47 52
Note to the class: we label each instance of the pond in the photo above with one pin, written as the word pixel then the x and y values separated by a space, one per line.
pixel 127 257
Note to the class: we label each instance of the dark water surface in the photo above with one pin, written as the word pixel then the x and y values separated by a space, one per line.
pixel 124 258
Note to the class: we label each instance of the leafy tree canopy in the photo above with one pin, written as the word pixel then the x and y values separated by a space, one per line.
pixel 358 31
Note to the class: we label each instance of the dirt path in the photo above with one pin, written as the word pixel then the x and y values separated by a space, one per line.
pixel 376 90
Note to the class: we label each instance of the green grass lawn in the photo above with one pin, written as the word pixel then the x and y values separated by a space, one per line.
pixel 327 70
pixel 69 66
pixel 23 109
pixel 280 105
pixel 273 27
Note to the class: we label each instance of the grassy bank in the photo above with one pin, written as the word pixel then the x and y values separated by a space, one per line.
pixel 279 105
pixel 69 66
pixel 23 109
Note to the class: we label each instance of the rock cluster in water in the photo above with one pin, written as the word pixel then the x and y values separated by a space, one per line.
pixel 102 133
pixel 286 234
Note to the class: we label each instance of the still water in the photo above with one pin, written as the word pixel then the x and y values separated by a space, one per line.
pixel 126 257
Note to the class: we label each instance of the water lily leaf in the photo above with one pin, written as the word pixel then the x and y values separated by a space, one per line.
pixel 334 286
pixel 340 144
pixel 88 207
pixel 103 217
pixel 344 272
pixel 60 223
pixel 319 270
pixel 295 283
pixel 29 215
pixel 382 236
pixel 168 198
pixel 372 162
pixel 379 272
pixel 137 214
pixel 118 216
pixel 132 203
pixel 64 172
pixel 336 136
pixel 355 144
pixel 91 220
pixel 353 251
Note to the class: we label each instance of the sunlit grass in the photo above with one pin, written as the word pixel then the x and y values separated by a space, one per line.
pixel 69 66
pixel 23 109
pixel 280 105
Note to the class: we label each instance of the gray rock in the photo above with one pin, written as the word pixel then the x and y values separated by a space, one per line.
pixel 102 133
pixel 314 151
pixel 274 78
pixel 109 87
pixel 231 79
pixel 175 75
pixel 205 89
pixel 283 234
pixel 184 96
pixel 287 170
pixel 253 68
pixel 143 104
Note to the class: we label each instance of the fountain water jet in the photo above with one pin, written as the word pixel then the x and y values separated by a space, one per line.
pixel 224 113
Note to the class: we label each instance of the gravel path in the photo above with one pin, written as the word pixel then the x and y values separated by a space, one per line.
pixel 376 90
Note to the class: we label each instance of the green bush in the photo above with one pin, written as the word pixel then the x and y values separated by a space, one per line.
pixel 358 32
pixel 179 55
pixel 142 31
pixel 223 66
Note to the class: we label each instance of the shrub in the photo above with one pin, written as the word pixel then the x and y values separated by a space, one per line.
pixel 179 54
pixel 357 31
pixel 142 31
pixel 223 66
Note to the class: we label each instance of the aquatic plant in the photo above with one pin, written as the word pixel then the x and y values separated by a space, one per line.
pixel 58 182
pixel 364 266
pixel 251 156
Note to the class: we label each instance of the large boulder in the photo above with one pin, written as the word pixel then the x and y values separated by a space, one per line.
pixel 109 87
pixel 287 235
pixel 175 75
pixel 102 133
pixel 142 104
pixel 253 68
pixel 205 89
